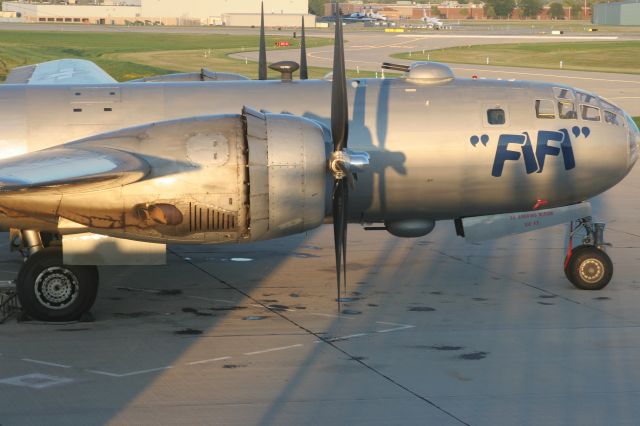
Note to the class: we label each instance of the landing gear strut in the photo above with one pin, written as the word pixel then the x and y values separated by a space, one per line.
pixel 47 289
pixel 588 266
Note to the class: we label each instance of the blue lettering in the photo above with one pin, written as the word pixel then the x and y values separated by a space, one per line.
pixel 567 150
pixel 543 149
pixel 503 154
pixel 533 160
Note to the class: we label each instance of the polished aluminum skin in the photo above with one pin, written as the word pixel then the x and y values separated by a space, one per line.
pixel 210 170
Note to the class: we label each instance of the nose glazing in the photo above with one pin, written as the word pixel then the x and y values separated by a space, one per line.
pixel 634 140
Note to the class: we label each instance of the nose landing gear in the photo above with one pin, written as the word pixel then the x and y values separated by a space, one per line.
pixel 588 266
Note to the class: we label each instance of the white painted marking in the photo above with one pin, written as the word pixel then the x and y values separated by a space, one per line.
pixel 36 381
pixel 204 361
pixel 274 349
pixel 399 327
pixel 211 300
pixel 516 37
pixel 329 315
pixel 272 308
pixel 132 373
pixel 626 97
pixel 51 364
pixel 336 339
pixel 350 336
pixel 241 259
pixel 486 70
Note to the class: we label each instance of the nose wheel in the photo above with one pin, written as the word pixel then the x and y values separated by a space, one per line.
pixel 588 266
pixel 48 290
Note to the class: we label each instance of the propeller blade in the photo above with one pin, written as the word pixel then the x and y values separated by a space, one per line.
pixel 304 73
pixel 339 107
pixel 338 231
pixel 345 198
pixel 262 56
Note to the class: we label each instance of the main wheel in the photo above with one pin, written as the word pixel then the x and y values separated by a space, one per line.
pixel 589 268
pixel 51 291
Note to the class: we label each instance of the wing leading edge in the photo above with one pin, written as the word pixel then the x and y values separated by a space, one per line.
pixel 71 168
pixel 61 71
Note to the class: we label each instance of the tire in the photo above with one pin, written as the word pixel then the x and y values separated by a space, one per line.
pixel 589 268
pixel 51 291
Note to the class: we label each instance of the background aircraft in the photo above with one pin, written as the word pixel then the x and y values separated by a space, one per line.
pixel 365 16
pixel 97 172
pixel 434 23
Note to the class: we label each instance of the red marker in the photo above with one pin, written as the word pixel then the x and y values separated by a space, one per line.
pixel 540 203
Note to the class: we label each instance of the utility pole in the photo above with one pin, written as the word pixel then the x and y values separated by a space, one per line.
pixel 585 10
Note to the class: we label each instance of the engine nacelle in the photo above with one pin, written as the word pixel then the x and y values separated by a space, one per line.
pixel 213 179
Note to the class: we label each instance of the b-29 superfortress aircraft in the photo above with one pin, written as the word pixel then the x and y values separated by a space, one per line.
pixel 96 172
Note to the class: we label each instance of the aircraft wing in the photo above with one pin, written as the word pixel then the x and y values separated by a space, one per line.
pixel 68 168
pixel 61 71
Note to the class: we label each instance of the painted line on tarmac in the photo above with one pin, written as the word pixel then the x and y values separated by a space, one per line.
pixel 50 364
pixel 207 299
pixel 545 75
pixel 319 314
pixel 282 348
pixel 131 373
pixel 205 361
pixel 397 328
pixel 515 37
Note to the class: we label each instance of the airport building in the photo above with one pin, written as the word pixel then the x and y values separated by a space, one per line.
pixel 620 13
pixel 165 12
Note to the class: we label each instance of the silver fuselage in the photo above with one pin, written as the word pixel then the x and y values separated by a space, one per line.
pixel 434 153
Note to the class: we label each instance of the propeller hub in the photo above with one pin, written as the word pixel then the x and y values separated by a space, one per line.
pixel 346 161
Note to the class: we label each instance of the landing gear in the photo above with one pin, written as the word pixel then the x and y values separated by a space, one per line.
pixel 48 290
pixel 588 266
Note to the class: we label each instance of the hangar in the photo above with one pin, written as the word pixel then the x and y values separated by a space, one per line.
pixel 165 12
pixel 619 13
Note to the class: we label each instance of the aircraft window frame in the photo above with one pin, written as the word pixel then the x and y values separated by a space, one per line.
pixel 570 114
pixel 584 116
pixel 501 116
pixel 545 109
pixel 613 118
pixel 564 93
pixel 608 105
pixel 587 99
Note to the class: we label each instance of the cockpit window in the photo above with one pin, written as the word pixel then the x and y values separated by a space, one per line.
pixel 567 110
pixel 495 116
pixel 586 98
pixel 563 93
pixel 613 118
pixel 607 105
pixel 545 109
pixel 589 113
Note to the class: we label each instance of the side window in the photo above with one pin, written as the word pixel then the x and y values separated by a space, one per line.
pixel 545 109
pixel 567 110
pixel 496 116
pixel 589 113
pixel 612 118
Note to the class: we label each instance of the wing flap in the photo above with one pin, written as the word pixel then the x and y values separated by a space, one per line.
pixel 71 168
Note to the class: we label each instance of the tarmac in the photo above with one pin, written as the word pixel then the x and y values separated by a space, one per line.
pixel 430 331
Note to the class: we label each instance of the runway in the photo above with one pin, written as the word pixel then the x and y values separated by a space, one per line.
pixel 431 330
pixel 367 51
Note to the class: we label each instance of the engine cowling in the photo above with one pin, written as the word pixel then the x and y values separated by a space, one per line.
pixel 287 174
